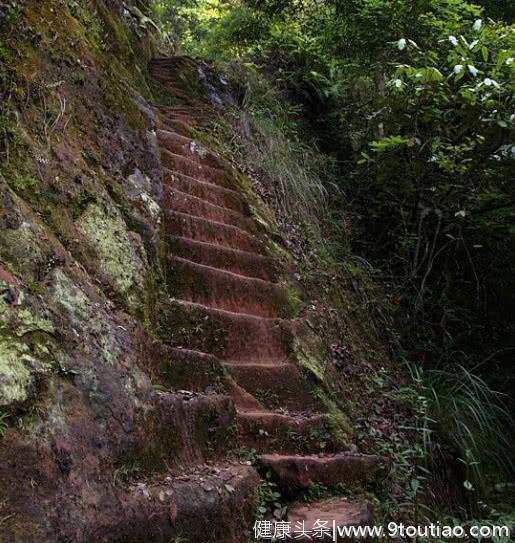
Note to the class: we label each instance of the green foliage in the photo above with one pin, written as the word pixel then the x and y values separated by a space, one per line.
pixel 127 474
pixel 4 418
pixel 461 407
pixel 268 141
pixel 270 499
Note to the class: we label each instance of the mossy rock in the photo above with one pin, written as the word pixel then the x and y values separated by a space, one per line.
pixel 121 260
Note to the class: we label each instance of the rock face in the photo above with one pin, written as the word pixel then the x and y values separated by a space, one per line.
pixel 147 326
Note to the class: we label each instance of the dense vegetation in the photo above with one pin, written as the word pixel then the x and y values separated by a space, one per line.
pixel 388 127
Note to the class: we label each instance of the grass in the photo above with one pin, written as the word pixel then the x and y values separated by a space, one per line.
pixel 3 423
pixel 268 139
pixel 461 408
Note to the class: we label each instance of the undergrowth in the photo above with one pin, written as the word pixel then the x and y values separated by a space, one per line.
pixel 269 142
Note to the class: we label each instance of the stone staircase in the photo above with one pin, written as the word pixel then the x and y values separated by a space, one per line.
pixel 222 276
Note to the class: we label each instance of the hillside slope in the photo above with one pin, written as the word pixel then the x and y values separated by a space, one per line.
pixel 154 339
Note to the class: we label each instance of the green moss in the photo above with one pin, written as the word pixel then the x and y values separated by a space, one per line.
pixel 107 233
pixel 16 376
pixel 80 309
pixel 337 422
pixel 24 363
pixel 294 301
pixel 311 353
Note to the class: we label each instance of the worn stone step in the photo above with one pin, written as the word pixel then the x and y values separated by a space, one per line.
pixel 193 429
pixel 190 148
pixel 208 192
pixel 226 290
pixel 327 520
pixel 199 229
pixel 233 260
pixel 187 109
pixel 193 168
pixel 269 431
pixel 294 471
pixel 211 503
pixel 274 384
pixel 183 119
pixel 197 207
pixel 244 400
pixel 193 106
pixel 185 369
pixel 169 123
pixel 225 334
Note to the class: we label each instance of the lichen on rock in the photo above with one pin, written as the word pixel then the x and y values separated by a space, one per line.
pixel 121 260
pixel 19 372
pixel 87 319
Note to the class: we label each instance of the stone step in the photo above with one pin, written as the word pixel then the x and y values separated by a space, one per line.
pixel 185 369
pixel 169 123
pixel 197 207
pixel 244 400
pixel 226 290
pixel 226 335
pixel 208 192
pixel 197 110
pixel 193 429
pixel 185 119
pixel 193 168
pixel 275 384
pixel 333 514
pixel 267 432
pixel 190 148
pixel 199 229
pixel 212 503
pixel 297 472
pixel 233 260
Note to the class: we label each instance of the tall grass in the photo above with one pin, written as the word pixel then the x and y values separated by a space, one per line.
pixel 461 408
pixel 270 142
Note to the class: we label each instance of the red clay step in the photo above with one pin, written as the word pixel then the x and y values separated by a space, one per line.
pixel 240 262
pixel 188 120
pixel 274 384
pixel 199 108
pixel 209 503
pixel 245 337
pixel 336 514
pixel 198 229
pixel 183 369
pixel 190 148
pixel 195 169
pixel 243 400
pixel 296 471
pixel 225 290
pixel 166 123
pixel 206 191
pixel 281 433
pixel 186 437
pixel 192 205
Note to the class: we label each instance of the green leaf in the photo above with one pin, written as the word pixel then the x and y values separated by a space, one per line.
pixel 415 485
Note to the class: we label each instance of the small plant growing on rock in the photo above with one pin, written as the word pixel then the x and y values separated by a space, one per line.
pixel 3 423
pixel 270 499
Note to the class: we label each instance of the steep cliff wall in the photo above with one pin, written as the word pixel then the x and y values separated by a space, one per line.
pixel 79 242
